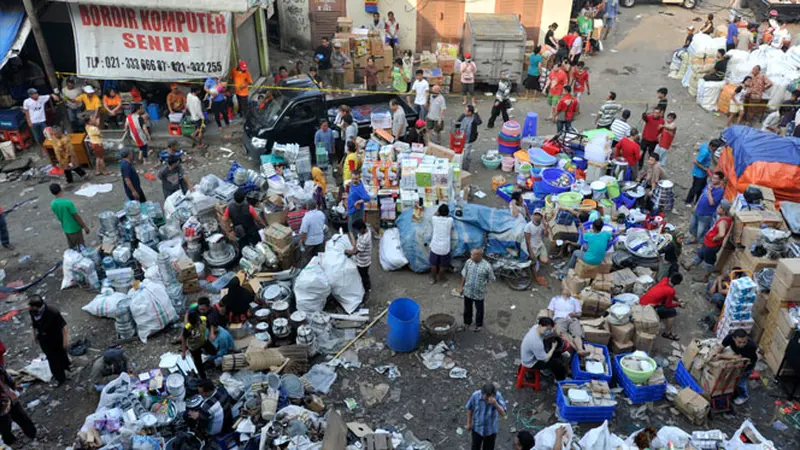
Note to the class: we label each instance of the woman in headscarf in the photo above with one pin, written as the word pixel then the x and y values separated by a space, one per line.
pixel 320 187
pixel 237 301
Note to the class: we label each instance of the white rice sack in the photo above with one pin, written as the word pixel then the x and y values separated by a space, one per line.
pixel 105 305
pixel 151 308
pixel 699 43
pixel 708 93
pixel 687 76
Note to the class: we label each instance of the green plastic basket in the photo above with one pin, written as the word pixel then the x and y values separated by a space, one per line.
pixel 638 376
pixel 490 164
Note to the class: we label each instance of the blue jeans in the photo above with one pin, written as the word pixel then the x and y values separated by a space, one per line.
pixel 574 258
pixel 699 225
pixel 38 132
pixel 741 386
pixel 716 298
pixel 420 109
pixel 3 230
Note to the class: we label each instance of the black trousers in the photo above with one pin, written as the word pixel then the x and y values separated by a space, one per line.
pixel 468 311
pixel 58 360
pixel 219 109
pixel 244 104
pixel 499 108
pixel 365 281
pixel 648 148
pixel 68 173
pixel 18 415
pixel 555 365
pixel 142 198
pixel 696 190
pixel 483 442
pixel 197 357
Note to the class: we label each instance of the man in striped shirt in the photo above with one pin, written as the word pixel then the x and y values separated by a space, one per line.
pixel 608 111
pixel 362 249
pixel 620 127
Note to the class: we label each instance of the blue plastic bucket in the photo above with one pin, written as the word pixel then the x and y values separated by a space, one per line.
pixel 550 176
pixel 152 111
pixel 403 321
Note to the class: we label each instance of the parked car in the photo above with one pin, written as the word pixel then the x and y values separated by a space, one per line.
pixel 688 4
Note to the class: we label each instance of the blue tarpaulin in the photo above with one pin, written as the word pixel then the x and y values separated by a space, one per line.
pixel 750 146
pixel 10 23
pixel 477 224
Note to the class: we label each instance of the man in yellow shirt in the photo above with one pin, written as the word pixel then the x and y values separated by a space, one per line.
pixel 351 162
pixel 91 102
pixel 241 83
pixel 65 156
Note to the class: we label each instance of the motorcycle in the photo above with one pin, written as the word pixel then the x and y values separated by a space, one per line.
pixel 515 273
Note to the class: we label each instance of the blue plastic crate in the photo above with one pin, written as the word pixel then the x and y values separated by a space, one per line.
pixel 12 119
pixel 580 414
pixel 503 191
pixel 685 379
pixel 580 374
pixel 637 394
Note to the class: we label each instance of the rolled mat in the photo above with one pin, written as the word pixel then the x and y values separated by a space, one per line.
pixel 264 359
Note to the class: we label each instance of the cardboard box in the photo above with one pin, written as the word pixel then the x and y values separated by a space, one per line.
pixel 603 283
pixel 621 333
pixel 754 219
pixel 595 303
pixel 585 270
pixel 278 235
pixel 375 46
pixel 439 151
pixel 773 362
pixel 784 325
pixel 779 342
pixel 783 292
pixel 645 319
pixel 623 280
pixel 447 64
pixel 756 332
pixel 690 353
pixel 693 406
pixel 344 25
pixel 788 272
pixel 573 283
pixel 644 341
pixel 278 217
pixel 620 347
pixel 349 76
pixel 720 376
pixel 456 87
pixel 185 269
pixel 191 286
pixel 596 331
pixel 388 55
pixel 744 259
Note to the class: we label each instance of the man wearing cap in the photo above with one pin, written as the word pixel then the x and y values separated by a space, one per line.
pixel 416 134
pixel 71 91
pixel 172 177
pixel 338 62
pixel 468 69
pixel 176 99
pixel 501 103
pixel 35 114
pixel 689 36
pixel 91 101
pixel 241 86
pixel 535 232
pixel 712 242
pixel 130 179
pixel 436 110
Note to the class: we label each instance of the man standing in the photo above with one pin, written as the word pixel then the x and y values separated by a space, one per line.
pixel 608 112
pixel 703 214
pixel 11 411
pixel 195 339
pixel 743 347
pixel 532 350
pixel 484 409
pixel 612 6
pixel 71 92
pixel 392 29
pixel 558 79
pixel 241 86
pixel 140 132
pixel 216 92
pixel 712 242
pixel 322 55
pixel 468 123
pixel 357 197
pixel 62 147
pixel 439 259
pixel 468 69
pixel 67 214
pixel 628 149
pixel 580 83
pixel 501 102
pixel 312 232
pixel 176 99
pixel 338 62
pixel 242 221
pixel 700 166
pixel 35 114
pixel 576 48
pixel 732 39
pixel 51 333
pixel 420 88
pixel 399 122
pixel 130 179
pixel 652 126
pixel 195 108
pixel 535 232
pixel 172 177
pixel 324 138
pixel 475 278
pixel 436 110
pixel 663 298
pixel 361 240
pixel 565 111
pixel 377 26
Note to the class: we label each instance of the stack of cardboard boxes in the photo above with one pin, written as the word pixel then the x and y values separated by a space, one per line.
pixel 716 376
pixel 280 240
pixel 361 44
pixel 777 325
pixel 646 325
pixel 187 275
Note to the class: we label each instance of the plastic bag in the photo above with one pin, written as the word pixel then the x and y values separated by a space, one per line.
pixel 344 279
pixel 171 203
pixel 174 248
pixel 673 436
pixel 321 377
pixel 390 252
pixel 600 438
pixel 234 387
pixel 146 256
pixel 151 308
pixel 338 243
pixel 546 439
pixel 114 391
pixel 311 288
pixel 105 305
pixel 736 443
pixel 71 258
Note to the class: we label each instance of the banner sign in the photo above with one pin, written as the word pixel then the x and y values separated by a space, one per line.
pixel 148 44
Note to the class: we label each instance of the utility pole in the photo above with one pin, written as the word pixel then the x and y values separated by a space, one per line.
pixel 36 28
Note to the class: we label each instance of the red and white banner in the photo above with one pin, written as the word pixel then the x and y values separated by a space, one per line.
pixel 123 43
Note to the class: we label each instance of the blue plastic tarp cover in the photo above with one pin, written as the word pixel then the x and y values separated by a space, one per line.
pixel 479 225
pixel 10 21
pixel 751 145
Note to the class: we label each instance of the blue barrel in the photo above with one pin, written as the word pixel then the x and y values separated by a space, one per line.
pixel 152 111
pixel 403 324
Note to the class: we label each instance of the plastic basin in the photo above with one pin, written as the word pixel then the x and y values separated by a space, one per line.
pixel 550 176
pixel 403 321
pixel 639 376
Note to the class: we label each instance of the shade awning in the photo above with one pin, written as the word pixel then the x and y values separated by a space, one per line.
pixel 14 30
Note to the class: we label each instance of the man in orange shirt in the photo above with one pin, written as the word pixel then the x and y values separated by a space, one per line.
pixel 176 99
pixel 241 82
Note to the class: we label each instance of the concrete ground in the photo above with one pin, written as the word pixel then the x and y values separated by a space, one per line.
pixel 633 65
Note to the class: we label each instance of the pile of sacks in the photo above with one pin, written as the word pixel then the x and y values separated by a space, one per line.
pixel 329 273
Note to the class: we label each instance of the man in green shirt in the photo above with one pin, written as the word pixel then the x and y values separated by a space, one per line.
pixel 67 214
pixel 595 248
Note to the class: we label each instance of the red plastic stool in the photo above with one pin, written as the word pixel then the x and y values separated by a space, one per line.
pixel 174 129
pixel 522 371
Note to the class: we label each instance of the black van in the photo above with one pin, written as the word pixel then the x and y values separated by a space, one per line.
pixel 294 114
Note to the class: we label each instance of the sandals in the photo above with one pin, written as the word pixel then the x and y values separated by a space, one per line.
pixel 541 280
pixel 670 336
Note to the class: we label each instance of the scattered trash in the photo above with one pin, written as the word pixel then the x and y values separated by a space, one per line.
pixel 34 403
pixel 351 403
pixel 408 416
pixel 392 370
pixel 434 358
pixel 458 373
pixel 24 259
pixel 460 431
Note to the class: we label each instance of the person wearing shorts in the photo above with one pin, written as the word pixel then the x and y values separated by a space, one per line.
pixel 566 311
pixel 662 297
pixel 535 232
pixel 442 225
pixel 558 80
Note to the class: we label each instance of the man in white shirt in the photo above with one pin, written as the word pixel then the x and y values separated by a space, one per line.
pixel 377 25
pixel 195 108
pixel 420 88
pixel 312 232
pixel 620 127
pixel 533 354
pixel 439 259
pixel 781 36
pixel 35 114
pixel 576 49
pixel 535 232
pixel 566 312
pixel 399 122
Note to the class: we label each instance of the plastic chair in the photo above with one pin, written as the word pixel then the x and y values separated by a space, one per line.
pixel 531 125
pixel 522 372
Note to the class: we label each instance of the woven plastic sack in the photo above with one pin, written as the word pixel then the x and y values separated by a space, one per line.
pixel 105 305
pixel 311 288
pixel 151 309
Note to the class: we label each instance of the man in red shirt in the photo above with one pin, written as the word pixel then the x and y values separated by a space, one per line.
pixel 569 38
pixel 712 242
pixel 628 148
pixel 663 298
pixel 565 110
pixel 580 84
pixel 668 130
pixel 558 80
pixel 652 126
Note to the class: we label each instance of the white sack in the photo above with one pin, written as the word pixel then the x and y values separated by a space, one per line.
pixel 736 443
pixel 146 256
pixel 105 305
pixel 708 94
pixel 601 438
pixel 344 279
pixel 151 308
pixel 311 288
pixel 391 251
pixel 546 439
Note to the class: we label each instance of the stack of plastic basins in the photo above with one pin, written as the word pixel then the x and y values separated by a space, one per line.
pixel 738 307
pixel 509 138
pixel 637 394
